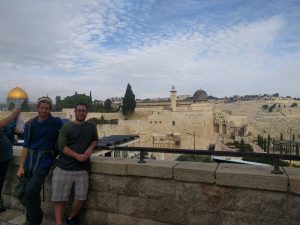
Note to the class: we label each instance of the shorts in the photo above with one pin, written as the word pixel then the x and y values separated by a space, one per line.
pixel 64 180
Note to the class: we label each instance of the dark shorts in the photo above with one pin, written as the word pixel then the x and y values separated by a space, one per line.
pixel 63 181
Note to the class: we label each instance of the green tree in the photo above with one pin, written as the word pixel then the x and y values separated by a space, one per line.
pixel 11 106
pixel 58 102
pixel 107 105
pixel 70 101
pixel 97 106
pixel 268 143
pixel 242 145
pixel 129 102
pixel 25 106
pixel 265 145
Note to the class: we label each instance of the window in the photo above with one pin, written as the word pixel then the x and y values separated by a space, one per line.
pixel 173 123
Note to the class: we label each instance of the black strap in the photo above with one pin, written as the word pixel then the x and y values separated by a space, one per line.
pixel 40 154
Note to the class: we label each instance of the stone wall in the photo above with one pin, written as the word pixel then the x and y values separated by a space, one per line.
pixel 124 192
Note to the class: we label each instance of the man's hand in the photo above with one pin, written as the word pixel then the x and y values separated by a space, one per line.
pixel 82 157
pixel 20 172
pixel 88 152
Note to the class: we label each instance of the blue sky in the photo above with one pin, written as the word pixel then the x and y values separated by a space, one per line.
pixel 226 47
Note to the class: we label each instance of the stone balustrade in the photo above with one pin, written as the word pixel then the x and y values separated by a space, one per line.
pixel 124 192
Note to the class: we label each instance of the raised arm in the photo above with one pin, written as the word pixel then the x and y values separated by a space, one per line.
pixel 13 115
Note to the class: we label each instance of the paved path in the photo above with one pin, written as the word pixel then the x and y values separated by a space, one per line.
pixel 16 217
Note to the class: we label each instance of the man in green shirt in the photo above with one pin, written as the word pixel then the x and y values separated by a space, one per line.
pixel 76 142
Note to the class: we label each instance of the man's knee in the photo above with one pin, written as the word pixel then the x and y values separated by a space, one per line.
pixel 32 190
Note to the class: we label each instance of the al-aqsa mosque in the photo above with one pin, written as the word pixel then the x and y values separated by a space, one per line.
pixel 16 96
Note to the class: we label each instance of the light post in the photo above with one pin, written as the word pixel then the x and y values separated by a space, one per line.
pixel 194 138
pixel 290 142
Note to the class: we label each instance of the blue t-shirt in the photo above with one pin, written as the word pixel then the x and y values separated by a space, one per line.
pixel 43 137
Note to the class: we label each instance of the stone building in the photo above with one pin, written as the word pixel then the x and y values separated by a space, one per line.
pixel 189 123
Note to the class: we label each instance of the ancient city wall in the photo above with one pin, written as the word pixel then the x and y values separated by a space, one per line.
pixel 165 123
pixel 124 192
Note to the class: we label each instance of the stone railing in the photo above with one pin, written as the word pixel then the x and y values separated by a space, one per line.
pixel 124 192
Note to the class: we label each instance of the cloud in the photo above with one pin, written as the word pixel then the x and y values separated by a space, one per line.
pixel 59 47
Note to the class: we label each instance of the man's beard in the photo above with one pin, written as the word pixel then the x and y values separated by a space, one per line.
pixel 80 120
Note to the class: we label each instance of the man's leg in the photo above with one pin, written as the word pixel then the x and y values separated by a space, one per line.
pixel 62 182
pixel 3 170
pixel 81 185
pixel 34 213
pixel 59 212
pixel 76 206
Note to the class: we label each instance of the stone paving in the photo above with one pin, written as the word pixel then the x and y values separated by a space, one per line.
pixel 16 217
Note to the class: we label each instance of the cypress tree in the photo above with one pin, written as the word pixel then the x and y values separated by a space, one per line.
pixel 242 145
pixel 265 145
pixel 129 103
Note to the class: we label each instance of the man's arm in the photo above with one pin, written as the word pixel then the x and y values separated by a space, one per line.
pixel 80 157
pixel 24 150
pixel 6 120
pixel 94 143
pixel 90 149
pixel 23 155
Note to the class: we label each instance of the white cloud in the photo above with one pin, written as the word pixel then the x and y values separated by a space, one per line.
pixel 61 50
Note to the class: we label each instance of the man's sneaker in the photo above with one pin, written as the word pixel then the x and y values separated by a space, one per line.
pixel 71 221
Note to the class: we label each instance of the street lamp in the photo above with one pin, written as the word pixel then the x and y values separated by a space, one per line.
pixel 194 138
pixel 290 142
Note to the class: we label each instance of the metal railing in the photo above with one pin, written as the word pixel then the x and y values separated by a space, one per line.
pixel 144 150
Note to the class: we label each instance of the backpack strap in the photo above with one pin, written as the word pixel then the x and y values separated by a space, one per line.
pixel 30 129
pixel 38 154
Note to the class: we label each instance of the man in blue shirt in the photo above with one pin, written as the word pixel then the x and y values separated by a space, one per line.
pixel 37 157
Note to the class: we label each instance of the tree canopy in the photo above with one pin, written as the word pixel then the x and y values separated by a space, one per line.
pixel 129 102
pixel 70 101
pixel 107 105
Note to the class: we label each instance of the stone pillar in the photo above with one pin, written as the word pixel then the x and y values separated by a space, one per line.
pixel 173 98
pixel 220 128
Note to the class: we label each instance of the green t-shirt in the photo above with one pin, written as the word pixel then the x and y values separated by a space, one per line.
pixel 78 138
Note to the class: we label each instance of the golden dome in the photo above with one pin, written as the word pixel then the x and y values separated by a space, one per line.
pixel 17 93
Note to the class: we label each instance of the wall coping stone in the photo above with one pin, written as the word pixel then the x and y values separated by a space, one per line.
pixel 115 166
pixel 195 172
pixel 152 168
pixel 224 174
pixel 251 176
pixel 294 179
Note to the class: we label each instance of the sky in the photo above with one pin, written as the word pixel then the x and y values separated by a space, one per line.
pixel 225 47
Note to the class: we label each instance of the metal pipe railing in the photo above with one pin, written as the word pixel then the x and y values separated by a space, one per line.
pixel 144 150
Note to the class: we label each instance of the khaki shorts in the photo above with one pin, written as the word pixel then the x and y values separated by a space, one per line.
pixel 63 181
